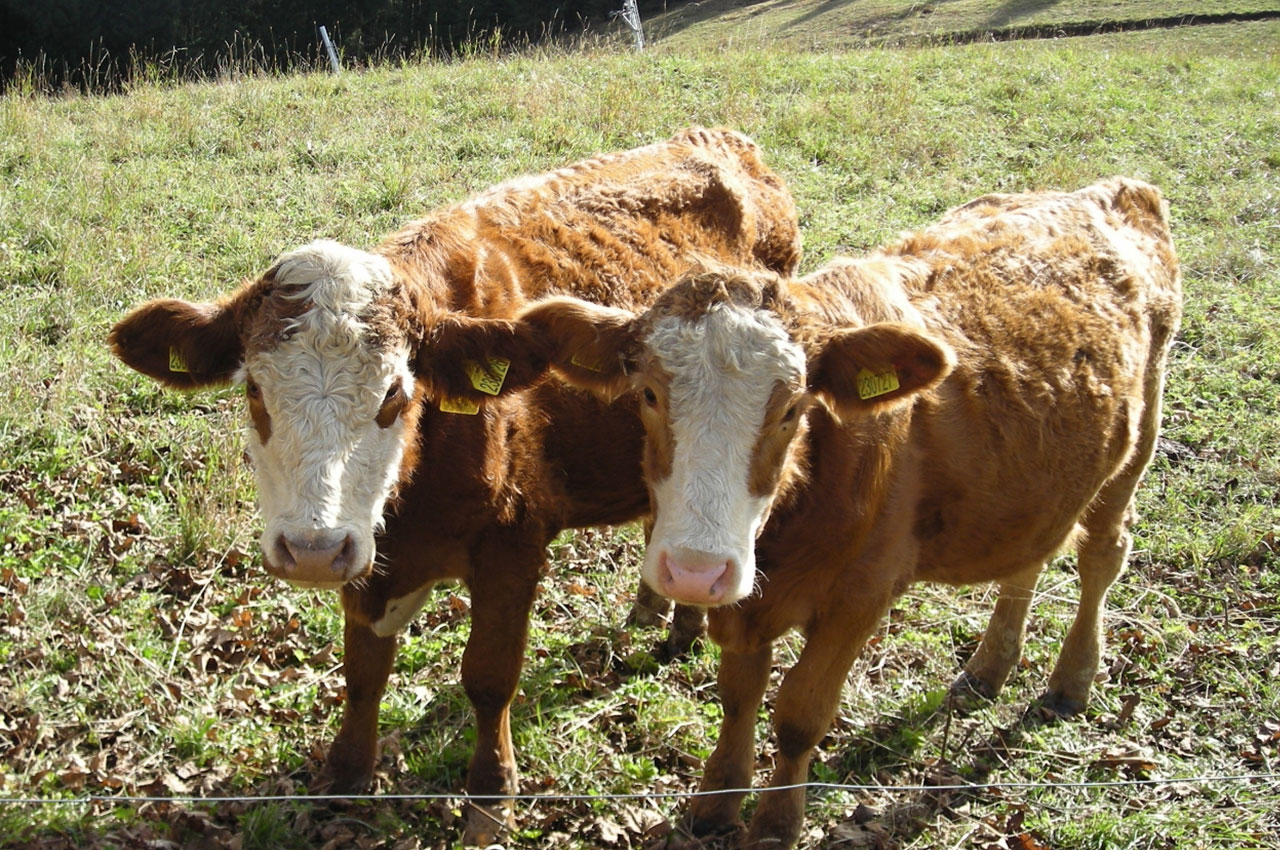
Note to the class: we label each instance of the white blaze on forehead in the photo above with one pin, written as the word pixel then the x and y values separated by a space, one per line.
pixel 723 368
pixel 328 467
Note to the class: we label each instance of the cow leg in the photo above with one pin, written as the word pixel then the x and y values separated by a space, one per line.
pixel 1001 647
pixel 806 705
pixel 650 608
pixel 1101 559
pixel 742 680
pixel 688 623
pixel 504 579
pixel 366 663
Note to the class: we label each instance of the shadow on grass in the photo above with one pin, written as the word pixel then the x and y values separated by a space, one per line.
pixel 1012 10
pixel 689 15
pixel 913 812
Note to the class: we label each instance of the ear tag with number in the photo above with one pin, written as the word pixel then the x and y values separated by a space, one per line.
pixel 459 405
pixel 176 363
pixel 488 381
pixel 872 384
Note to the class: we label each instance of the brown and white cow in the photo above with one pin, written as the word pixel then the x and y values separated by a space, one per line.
pixel 380 470
pixel 956 407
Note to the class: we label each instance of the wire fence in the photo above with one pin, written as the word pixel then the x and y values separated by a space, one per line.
pixel 648 795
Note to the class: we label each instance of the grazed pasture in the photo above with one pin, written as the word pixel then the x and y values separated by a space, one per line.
pixel 147 654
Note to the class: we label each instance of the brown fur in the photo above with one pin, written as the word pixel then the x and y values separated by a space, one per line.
pixel 1046 421
pixel 482 495
pixel 1030 334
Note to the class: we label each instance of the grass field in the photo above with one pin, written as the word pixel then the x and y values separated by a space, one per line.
pixel 146 653
pixel 827 24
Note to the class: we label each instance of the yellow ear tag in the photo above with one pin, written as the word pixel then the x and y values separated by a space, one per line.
pixel 459 405
pixel 580 359
pixel 176 363
pixel 488 381
pixel 872 384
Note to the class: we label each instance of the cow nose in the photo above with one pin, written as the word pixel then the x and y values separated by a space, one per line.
pixel 319 556
pixel 696 578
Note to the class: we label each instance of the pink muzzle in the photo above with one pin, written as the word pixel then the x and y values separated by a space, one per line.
pixel 313 558
pixel 692 577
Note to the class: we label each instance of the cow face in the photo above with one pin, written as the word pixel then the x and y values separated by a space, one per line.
pixel 728 369
pixel 322 348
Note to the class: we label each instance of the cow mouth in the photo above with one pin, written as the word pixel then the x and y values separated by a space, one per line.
pixel 304 569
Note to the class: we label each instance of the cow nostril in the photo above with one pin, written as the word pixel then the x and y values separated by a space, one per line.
pixel 282 553
pixel 716 592
pixel 347 555
pixel 665 579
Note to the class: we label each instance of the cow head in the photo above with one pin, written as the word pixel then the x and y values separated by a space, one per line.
pixel 728 367
pixel 337 357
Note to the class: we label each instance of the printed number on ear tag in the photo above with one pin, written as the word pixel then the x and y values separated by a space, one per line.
pixel 872 384
pixel 488 381
pixel 176 363
pixel 459 405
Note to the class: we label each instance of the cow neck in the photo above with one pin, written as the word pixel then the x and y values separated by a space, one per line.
pixel 848 467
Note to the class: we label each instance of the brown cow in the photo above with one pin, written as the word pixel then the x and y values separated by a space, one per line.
pixel 957 407
pixel 363 372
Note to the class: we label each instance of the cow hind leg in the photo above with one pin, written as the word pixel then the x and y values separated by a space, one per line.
pixel 650 608
pixel 989 668
pixel 688 623
pixel 1102 558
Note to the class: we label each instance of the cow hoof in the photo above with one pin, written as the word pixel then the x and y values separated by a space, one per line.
pixel 334 781
pixel 770 839
pixel 1059 705
pixel 694 831
pixel 969 693
pixel 488 824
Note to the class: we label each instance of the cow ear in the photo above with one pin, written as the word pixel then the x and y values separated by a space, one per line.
pixel 873 368
pixel 467 359
pixel 181 344
pixel 588 345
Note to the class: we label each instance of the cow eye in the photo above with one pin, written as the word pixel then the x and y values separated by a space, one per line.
pixel 251 389
pixel 790 414
pixel 392 404
pixel 650 397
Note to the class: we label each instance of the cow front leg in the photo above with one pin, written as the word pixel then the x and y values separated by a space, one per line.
pixel 366 664
pixel 741 680
pixel 502 591
pixel 806 705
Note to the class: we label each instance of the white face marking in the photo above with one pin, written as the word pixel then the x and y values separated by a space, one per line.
pixel 327 468
pixel 723 368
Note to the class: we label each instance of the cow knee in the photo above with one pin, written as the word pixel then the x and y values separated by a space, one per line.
pixel 795 740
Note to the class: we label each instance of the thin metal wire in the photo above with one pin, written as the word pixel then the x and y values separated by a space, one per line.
pixel 646 795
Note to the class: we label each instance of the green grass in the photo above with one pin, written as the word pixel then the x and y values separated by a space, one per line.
pixel 822 24
pixel 147 652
